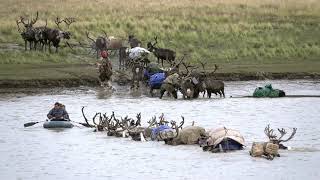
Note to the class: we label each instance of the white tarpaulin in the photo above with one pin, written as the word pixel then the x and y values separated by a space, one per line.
pixel 138 52
pixel 218 135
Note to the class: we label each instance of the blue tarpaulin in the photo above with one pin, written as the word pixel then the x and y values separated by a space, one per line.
pixel 155 131
pixel 157 79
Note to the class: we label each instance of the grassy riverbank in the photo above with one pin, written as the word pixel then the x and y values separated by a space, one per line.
pixel 242 36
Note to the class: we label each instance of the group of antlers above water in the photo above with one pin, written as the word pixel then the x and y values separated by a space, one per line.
pixel 173 133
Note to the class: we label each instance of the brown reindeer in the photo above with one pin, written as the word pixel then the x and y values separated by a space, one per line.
pixel 28 34
pixel 114 43
pixel 208 83
pixel 41 36
pixel 270 149
pixel 187 135
pixel 102 43
pixel 99 44
pixel 161 53
pixel 190 86
pixel 54 36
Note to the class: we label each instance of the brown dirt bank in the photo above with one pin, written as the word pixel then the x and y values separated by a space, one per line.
pixel 48 83
pixel 247 76
pixel 93 81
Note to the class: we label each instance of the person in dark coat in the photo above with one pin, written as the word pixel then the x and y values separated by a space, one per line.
pixel 57 113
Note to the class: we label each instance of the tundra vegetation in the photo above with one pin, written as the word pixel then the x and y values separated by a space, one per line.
pixel 239 35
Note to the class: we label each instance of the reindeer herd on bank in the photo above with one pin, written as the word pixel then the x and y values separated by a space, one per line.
pixel 180 76
pixel 43 36
pixel 173 133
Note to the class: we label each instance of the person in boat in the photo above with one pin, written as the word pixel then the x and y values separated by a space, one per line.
pixel 66 116
pixel 57 113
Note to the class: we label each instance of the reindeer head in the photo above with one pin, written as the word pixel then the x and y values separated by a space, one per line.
pixel 66 35
pixel 275 140
pixel 151 47
pixel 130 37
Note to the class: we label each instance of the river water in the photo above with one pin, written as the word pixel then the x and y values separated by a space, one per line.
pixel 79 153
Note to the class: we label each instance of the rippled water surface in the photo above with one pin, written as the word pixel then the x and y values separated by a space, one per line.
pixel 79 153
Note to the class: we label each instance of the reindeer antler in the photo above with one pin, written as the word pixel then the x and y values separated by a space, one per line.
pixel 69 21
pixel 58 21
pixel 162 121
pixel 112 115
pixel 186 66
pixel 216 67
pixel 269 133
pixel 87 33
pixel 111 125
pixel 100 119
pixel 155 40
pixel 173 124
pixel 138 122
pixel 153 121
pixel 181 123
pixel 283 132
pixel 124 123
pixel 202 64
pixel 189 71
pixel 161 117
pixel 17 21
pixel 174 64
pixel 33 21
pixel 94 118
pixel 105 34
pixel 22 19
pixel 117 123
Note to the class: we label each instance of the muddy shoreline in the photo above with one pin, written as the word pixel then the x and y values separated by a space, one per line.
pixel 92 81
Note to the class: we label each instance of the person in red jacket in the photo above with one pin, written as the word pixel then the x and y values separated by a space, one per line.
pixel 105 67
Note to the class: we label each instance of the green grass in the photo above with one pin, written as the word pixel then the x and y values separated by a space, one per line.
pixel 238 35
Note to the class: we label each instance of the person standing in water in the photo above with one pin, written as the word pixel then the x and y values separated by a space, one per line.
pixel 105 69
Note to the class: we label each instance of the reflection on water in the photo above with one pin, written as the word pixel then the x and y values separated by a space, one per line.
pixel 78 153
